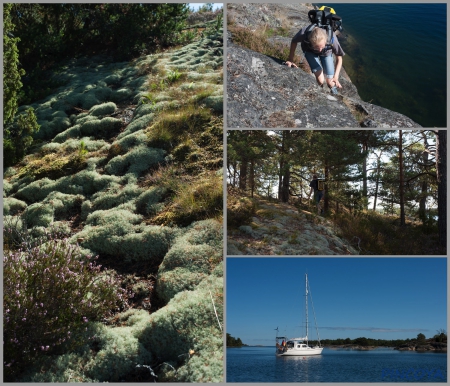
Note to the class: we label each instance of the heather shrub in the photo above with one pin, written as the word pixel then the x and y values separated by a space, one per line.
pixel 136 161
pixel 109 355
pixel 12 206
pixel 103 109
pixel 50 293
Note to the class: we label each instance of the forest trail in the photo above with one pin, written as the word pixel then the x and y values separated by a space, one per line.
pixel 282 229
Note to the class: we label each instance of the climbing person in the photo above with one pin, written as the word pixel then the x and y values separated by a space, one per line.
pixel 319 42
pixel 318 193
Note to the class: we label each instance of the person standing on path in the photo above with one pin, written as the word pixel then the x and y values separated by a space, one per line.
pixel 318 193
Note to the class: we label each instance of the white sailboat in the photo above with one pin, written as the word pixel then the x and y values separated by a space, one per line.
pixel 299 346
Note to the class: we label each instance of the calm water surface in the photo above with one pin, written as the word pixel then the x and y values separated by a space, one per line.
pixel 259 364
pixel 396 55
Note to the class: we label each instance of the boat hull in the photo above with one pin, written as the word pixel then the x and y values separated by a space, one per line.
pixel 301 352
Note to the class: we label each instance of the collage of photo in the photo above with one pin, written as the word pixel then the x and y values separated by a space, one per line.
pixel 179 179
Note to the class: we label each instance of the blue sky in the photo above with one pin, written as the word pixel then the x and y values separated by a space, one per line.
pixel 380 298
pixel 196 6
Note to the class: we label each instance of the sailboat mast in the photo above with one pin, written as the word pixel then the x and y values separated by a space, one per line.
pixel 306 304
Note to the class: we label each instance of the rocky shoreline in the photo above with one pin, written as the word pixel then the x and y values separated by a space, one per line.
pixel 428 347
pixel 262 92
pixel 437 347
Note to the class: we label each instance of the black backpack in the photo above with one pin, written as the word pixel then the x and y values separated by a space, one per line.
pixel 325 18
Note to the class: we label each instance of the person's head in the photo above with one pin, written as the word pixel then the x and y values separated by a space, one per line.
pixel 318 39
pixel 315 177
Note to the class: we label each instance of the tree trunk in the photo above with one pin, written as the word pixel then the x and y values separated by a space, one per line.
pixel 441 168
pixel 252 176
pixel 243 175
pixel 377 182
pixel 402 193
pixel 326 202
pixel 285 186
pixel 364 172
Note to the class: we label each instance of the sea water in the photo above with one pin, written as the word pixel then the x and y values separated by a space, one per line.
pixel 396 55
pixel 260 364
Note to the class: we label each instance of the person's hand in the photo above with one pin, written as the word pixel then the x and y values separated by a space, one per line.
pixel 336 82
pixel 291 64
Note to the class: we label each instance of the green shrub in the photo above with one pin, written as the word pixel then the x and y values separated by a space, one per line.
pixel 240 210
pixel 138 160
pixel 53 127
pixel 89 144
pixel 187 330
pixel 7 188
pixel 118 232
pixel 18 137
pixel 72 132
pixel 13 206
pixel 103 109
pixel 131 140
pixel 137 124
pixel 50 293
pixel 146 202
pixel 52 147
pixel 115 196
pixel 194 255
pixel 103 126
pixel 39 214
pixel 121 94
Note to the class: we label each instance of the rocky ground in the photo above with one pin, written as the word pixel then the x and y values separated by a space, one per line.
pixel 262 92
pixel 428 347
pixel 282 229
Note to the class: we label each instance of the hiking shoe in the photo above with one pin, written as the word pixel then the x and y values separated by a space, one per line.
pixel 334 90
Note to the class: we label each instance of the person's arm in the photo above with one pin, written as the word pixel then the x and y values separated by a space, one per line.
pixel 310 192
pixel 290 62
pixel 337 71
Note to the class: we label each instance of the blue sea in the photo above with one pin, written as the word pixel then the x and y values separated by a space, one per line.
pixel 396 55
pixel 259 364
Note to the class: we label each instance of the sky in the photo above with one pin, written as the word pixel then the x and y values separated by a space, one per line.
pixel 379 298
pixel 196 6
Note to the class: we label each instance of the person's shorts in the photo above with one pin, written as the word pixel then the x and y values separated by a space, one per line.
pixel 318 194
pixel 317 62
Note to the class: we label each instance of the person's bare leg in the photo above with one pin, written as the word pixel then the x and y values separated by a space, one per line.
pixel 320 78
